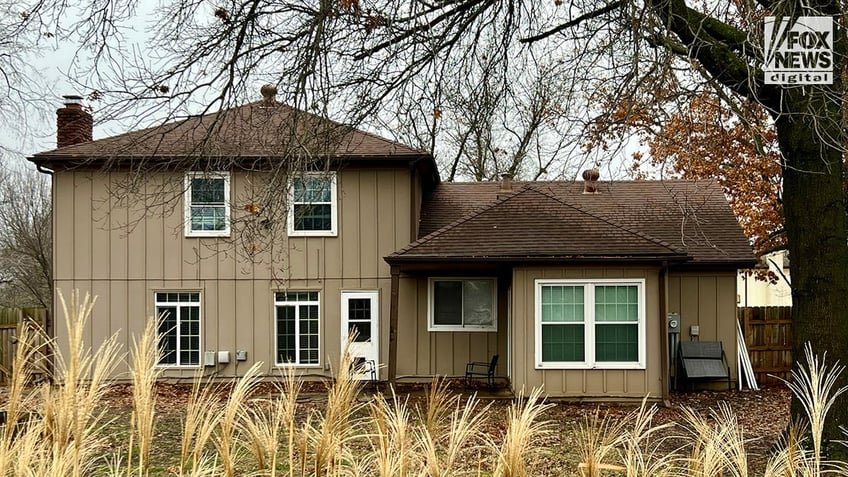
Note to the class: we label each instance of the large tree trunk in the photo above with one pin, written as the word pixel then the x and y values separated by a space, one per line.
pixel 814 206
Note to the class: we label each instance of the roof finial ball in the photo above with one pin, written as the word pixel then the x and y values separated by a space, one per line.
pixel 269 93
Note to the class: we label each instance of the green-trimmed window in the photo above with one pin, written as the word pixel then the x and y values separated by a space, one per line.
pixel 616 323
pixel 590 324
pixel 563 323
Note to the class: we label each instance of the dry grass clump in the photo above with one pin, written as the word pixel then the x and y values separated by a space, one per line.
pixel 715 445
pixel 524 427
pixel 57 430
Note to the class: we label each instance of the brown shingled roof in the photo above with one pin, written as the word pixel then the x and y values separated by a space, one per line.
pixel 674 220
pixel 253 130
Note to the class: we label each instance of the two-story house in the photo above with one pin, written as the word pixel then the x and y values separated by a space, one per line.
pixel 568 282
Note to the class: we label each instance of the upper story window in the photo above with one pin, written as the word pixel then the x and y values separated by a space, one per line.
pixel 585 324
pixel 313 206
pixel 207 204
pixel 463 304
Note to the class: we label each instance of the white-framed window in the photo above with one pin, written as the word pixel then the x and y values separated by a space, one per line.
pixel 297 328
pixel 179 328
pixel 313 209
pixel 207 204
pixel 463 304
pixel 584 324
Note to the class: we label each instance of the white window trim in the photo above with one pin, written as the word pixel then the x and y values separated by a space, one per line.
pixel 295 304
pixel 589 324
pixel 187 205
pixel 431 326
pixel 334 209
pixel 199 304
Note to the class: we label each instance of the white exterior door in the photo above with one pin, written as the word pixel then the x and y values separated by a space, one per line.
pixel 360 313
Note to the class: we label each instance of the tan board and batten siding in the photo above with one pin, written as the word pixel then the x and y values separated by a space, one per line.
pixel 423 354
pixel 588 383
pixel 706 299
pixel 702 298
pixel 123 257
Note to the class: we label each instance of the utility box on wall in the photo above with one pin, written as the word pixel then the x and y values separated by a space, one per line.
pixel 673 323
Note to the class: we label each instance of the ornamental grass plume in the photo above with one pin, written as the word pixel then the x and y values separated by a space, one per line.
pixel 438 406
pixel 75 413
pixel 330 431
pixel 597 438
pixel 640 453
pixel 225 439
pixel 56 430
pixel 789 458
pixel 441 451
pixel 270 423
pixel 706 456
pixel 144 373
pixel 393 450
pixel 523 428
pixel 203 412
pixel 814 386
pixel 20 397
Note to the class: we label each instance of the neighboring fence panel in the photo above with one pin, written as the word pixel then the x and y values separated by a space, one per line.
pixel 768 335
pixel 10 318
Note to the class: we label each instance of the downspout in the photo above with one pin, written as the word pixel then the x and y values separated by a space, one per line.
pixel 666 377
pixel 48 321
pixel 393 325
pixel 414 183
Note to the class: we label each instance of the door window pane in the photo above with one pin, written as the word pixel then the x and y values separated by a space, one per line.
pixel 359 318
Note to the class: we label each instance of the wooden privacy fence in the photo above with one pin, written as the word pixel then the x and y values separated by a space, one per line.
pixel 768 334
pixel 10 319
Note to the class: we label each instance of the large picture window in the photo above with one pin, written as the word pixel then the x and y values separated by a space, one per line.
pixel 179 328
pixel 312 205
pixel 590 324
pixel 463 304
pixel 207 204
pixel 297 328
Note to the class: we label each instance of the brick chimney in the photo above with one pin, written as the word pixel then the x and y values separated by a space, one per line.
pixel 73 123
pixel 506 186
